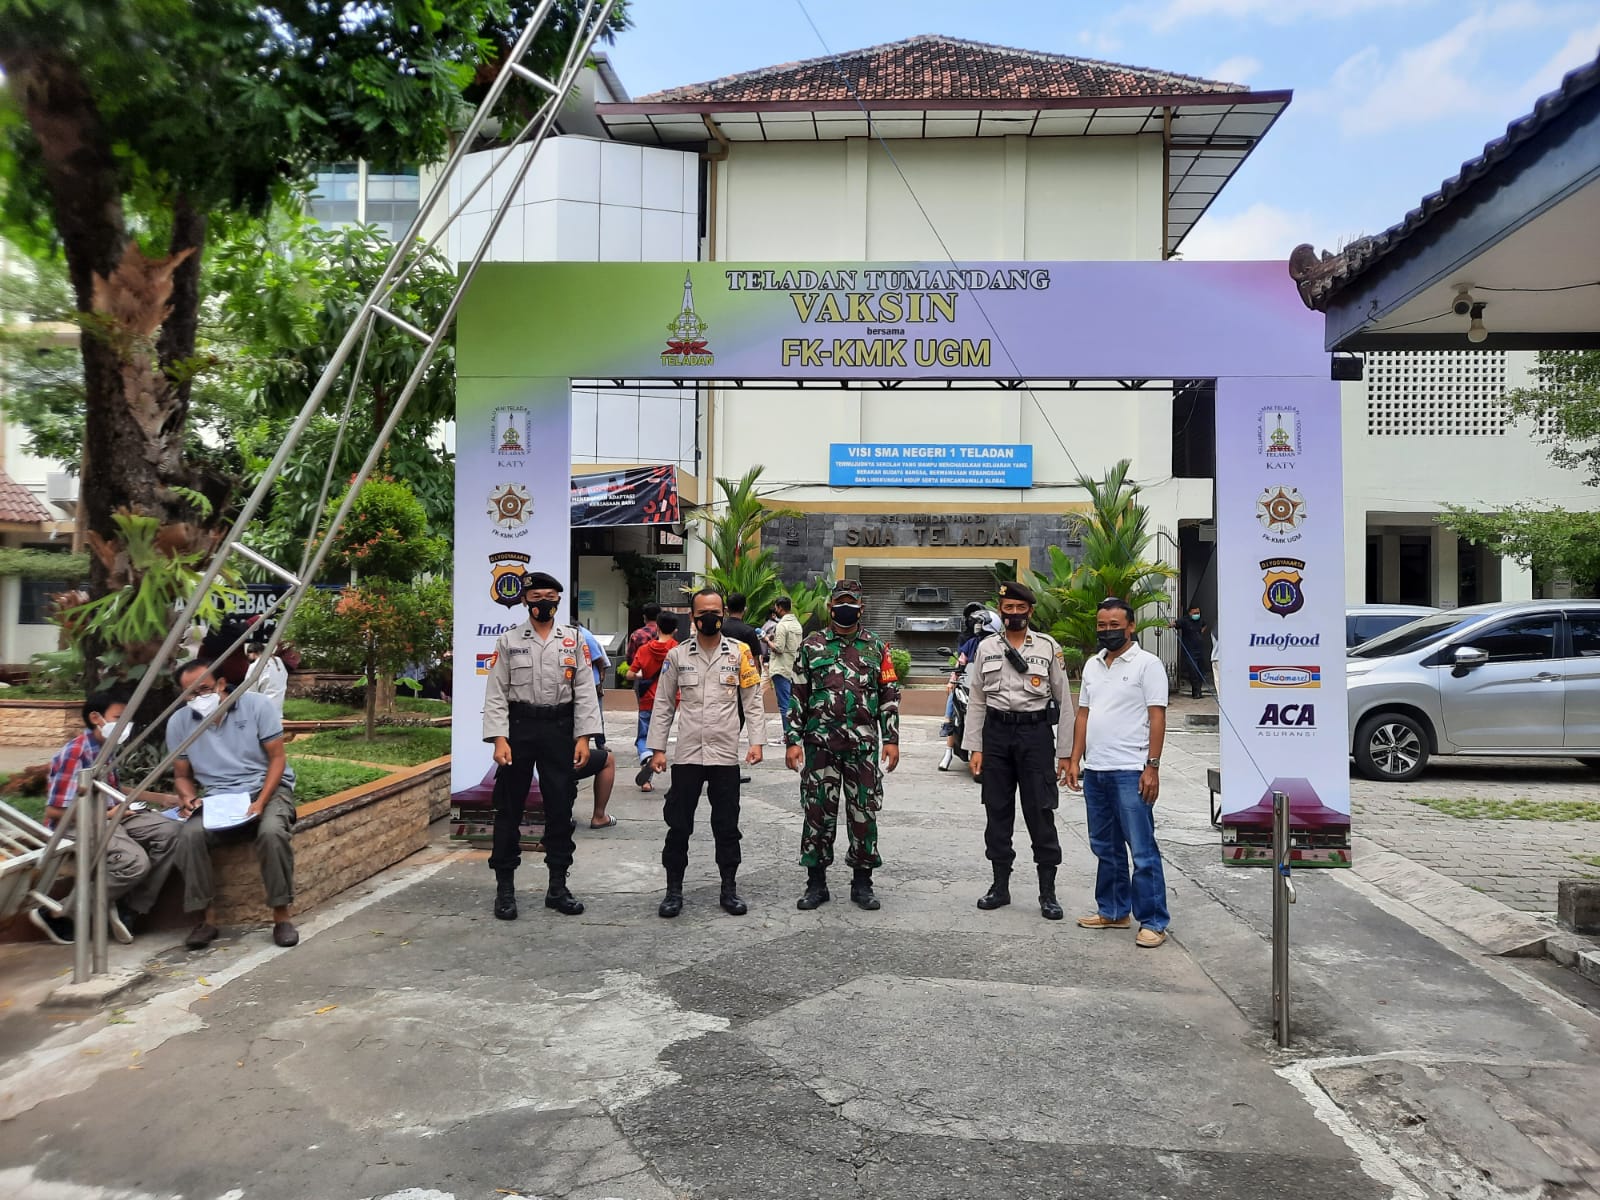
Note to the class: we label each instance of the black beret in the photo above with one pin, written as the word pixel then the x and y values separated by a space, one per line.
pixel 1012 590
pixel 534 580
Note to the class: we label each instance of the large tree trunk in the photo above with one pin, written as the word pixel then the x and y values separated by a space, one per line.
pixel 134 414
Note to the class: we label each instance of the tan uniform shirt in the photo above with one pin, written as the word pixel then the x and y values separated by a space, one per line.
pixel 995 683
pixel 529 669
pixel 704 691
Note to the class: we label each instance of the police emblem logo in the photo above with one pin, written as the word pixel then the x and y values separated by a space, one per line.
pixel 1284 592
pixel 510 506
pixel 507 570
pixel 1281 510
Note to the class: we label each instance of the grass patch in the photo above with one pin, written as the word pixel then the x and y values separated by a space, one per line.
pixel 405 747
pixel 1591 860
pixel 315 778
pixel 1474 808
pixel 32 806
pixel 299 708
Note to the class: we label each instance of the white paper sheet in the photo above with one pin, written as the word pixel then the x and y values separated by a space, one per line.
pixel 225 810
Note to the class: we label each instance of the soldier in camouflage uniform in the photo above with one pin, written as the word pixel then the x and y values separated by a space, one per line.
pixel 846 696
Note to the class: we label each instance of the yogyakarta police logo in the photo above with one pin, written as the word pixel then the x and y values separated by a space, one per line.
pixel 506 573
pixel 1281 511
pixel 1284 592
pixel 510 506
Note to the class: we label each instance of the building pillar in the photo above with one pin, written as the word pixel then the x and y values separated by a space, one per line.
pixel 1446 567
pixel 1516 581
pixel 1389 578
pixel 1355 552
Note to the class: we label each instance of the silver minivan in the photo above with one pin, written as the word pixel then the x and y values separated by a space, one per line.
pixel 1520 678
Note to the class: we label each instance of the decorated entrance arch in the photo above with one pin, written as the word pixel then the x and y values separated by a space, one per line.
pixel 526 330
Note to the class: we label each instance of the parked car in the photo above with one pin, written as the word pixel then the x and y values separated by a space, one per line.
pixel 1363 622
pixel 1519 678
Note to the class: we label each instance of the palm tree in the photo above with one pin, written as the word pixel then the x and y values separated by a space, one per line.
pixel 737 561
pixel 1115 538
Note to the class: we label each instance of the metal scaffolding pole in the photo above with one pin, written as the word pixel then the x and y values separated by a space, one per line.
pixel 92 823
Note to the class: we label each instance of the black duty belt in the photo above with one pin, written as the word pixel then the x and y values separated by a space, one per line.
pixel 541 712
pixel 1034 716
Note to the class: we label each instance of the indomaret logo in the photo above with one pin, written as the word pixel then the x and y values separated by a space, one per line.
pixel 686 340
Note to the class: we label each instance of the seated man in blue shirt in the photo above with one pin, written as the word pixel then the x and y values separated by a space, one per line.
pixel 242 752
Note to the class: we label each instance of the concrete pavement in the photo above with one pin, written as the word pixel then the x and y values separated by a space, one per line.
pixel 414 1047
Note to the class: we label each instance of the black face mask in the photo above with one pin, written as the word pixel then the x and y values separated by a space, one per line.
pixel 845 616
pixel 708 623
pixel 1015 621
pixel 543 610
pixel 1111 639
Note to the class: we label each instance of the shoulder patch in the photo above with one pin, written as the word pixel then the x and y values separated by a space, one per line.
pixel 886 671
pixel 749 675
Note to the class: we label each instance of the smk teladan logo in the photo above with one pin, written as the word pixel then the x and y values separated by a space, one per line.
pixel 686 334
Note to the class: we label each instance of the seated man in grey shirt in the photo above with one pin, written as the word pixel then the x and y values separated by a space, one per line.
pixel 242 752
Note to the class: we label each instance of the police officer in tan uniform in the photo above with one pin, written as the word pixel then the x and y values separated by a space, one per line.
pixel 704 682
pixel 540 709
pixel 1014 678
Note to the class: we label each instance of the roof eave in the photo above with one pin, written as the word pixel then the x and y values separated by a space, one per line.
pixel 1167 100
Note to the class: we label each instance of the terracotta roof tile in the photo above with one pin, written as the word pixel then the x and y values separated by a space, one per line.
pixel 932 67
pixel 18 504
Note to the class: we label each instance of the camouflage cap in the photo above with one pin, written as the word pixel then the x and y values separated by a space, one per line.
pixel 1012 590
pixel 850 588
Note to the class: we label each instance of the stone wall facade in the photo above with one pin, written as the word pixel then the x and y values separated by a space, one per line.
pixel 804 545
pixel 339 842
pixel 39 722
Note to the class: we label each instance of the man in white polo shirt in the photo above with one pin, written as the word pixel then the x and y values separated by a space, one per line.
pixel 1116 763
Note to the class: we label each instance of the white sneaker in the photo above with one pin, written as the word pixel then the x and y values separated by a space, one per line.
pixel 58 929
pixel 118 927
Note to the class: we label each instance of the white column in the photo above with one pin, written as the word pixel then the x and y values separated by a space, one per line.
pixel 1516 581
pixel 1446 567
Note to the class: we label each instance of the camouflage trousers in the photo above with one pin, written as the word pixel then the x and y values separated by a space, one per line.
pixel 824 777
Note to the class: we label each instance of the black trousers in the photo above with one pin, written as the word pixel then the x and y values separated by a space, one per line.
pixel 1020 758
pixel 683 797
pixel 543 746
pixel 1196 668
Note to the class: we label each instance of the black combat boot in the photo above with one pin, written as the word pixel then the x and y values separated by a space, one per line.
pixel 672 902
pixel 1049 908
pixel 861 889
pixel 999 893
pixel 559 898
pixel 505 895
pixel 816 889
pixel 731 904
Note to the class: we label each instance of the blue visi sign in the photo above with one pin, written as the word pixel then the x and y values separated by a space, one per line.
pixel 929 464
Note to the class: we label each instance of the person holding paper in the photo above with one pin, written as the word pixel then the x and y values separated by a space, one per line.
pixel 242 753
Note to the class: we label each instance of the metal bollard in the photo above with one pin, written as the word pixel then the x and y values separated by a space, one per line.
pixel 84 831
pixel 1282 897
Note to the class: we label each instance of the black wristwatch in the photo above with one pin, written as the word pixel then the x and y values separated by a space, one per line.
pixel 1152 762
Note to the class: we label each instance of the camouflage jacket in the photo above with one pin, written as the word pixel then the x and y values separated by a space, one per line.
pixel 845 692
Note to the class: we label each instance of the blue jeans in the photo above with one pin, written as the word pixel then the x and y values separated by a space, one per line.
pixel 783 688
pixel 644 732
pixel 1119 821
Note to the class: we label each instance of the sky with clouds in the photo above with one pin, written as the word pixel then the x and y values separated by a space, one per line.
pixel 1390 96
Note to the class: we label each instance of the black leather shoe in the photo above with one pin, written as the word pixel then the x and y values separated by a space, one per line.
pixel 998 896
pixel 671 905
pixel 1049 909
pixel 505 906
pixel 861 891
pixel 731 904
pixel 563 901
pixel 816 890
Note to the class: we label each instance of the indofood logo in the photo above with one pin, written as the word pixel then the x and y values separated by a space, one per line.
pixel 1284 592
pixel 1281 510
pixel 1285 641
pixel 686 334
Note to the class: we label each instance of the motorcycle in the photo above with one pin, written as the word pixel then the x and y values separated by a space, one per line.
pixel 957 723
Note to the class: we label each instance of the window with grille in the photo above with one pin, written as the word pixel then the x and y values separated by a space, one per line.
pixel 1436 393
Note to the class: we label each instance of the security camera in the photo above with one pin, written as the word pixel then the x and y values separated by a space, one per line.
pixel 1462 305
